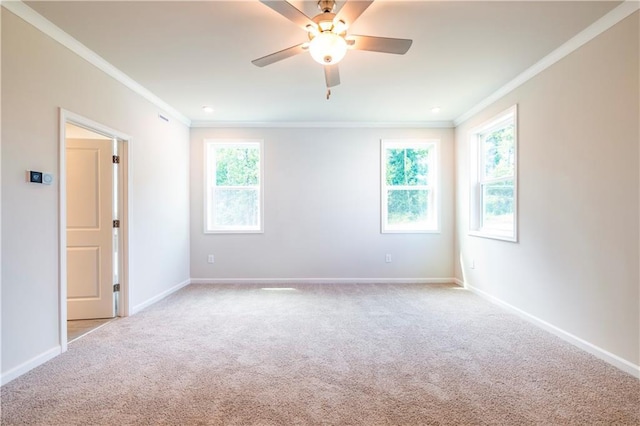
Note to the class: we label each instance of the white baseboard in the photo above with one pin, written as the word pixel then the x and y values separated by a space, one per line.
pixel 154 299
pixel 598 352
pixel 322 280
pixel 53 352
pixel 29 365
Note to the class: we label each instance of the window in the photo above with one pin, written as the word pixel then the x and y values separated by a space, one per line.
pixel 493 154
pixel 410 185
pixel 233 186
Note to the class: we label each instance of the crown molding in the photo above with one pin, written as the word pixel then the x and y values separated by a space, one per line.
pixel 592 31
pixel 32 17
pixel 325 124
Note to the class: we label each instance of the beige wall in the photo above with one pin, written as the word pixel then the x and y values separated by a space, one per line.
pixel 38 77
pixel 576 265
pixel 322 210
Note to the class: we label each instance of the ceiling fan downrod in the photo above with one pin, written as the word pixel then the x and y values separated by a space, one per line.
pixel 326 6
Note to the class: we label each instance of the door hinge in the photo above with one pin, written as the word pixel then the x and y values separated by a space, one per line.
pixel 116 223
pixel 116 287
pixel 116 159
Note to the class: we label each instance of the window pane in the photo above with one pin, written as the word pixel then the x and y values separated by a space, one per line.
pixel 236 208
pixel 237 166
pixel 408 208
pixel 407 166
pixel 498 150
pixel 498 206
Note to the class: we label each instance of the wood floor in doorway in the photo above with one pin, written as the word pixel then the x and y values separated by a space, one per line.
pixel 79 328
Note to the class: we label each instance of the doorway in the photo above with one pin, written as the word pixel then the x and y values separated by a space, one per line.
pixel 93 233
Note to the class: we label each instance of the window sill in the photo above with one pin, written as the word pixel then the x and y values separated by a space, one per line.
pixel 408 231
pixel 493 236
pixel 235 231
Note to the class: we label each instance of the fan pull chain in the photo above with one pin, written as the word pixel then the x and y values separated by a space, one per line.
pixel 328 93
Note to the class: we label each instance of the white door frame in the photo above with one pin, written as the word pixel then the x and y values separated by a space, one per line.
pixel 124 210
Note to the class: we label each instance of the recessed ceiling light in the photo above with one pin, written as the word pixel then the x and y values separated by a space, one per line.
pixel 435 110
pixel 208 109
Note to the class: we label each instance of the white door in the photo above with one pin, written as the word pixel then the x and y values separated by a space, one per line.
pixel 89 165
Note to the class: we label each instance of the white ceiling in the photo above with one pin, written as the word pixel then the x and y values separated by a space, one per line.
pixel 191 54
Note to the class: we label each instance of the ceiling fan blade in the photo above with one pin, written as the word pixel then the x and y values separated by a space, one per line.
pixel 351 10
pixel 290 12
pixel 331 75
pixel 278 56
pixel 399 46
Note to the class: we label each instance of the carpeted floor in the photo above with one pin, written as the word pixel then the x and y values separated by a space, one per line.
pixel 357 354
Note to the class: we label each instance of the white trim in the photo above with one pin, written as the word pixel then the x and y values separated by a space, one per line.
pixel 322 280
pixel 592 31
pixel 125 211
pixel 62 234
pixel 485 234
pixel 326 124
pixel 1 186
pixel 598 352
pixel 29 365
pixel 47 27
pixel 459 282
pixel 159 297
pixel 126 226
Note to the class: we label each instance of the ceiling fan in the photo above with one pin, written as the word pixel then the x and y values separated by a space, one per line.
pixel 328 40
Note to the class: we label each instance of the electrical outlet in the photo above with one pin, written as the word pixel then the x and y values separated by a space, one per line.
pixel 472 264
pixel 210 258
pixel 387 258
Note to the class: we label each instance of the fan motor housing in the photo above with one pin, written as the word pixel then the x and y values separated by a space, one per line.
pixel 324 21
pixel 326 5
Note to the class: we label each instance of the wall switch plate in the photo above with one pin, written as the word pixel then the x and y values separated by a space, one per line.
pixel 33 176
pixel 387 258
pixel 472 264
pixel 210 258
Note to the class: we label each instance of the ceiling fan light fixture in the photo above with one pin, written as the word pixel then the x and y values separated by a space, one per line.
pixel 328 48
pixel 339 26
pixel 311 29
pixel 325 25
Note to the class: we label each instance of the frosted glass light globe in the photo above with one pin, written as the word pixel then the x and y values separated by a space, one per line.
pixel 328 48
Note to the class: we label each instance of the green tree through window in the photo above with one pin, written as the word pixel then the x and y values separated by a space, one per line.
pixel 237 166
pixel 409 186
pixel 493 177
pixel 499 164
pixel 233 185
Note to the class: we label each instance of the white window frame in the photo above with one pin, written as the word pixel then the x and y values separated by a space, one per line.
pixel 209 183
pixel 434 187
pixel 478 181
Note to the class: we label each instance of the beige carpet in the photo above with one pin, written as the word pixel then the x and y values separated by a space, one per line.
pixel 322 354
